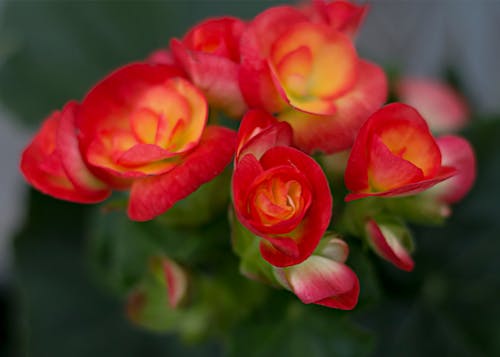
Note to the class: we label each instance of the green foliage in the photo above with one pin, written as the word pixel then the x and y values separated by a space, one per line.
pixel 202 205
pixel 292 329
pixel 246 246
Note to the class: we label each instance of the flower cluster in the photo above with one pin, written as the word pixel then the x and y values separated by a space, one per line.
pixel 307 104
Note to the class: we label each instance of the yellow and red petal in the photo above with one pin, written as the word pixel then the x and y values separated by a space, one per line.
pixel 312 66
pixel 143 154
pixel 181 112
pixel 255 77
pixel 140 121
pixel 387 170
pixel 409 189
pixel 154 195
pixel 394 154
pixel 318 215
pixel 108 106
pixel 277 201
pixel 333 133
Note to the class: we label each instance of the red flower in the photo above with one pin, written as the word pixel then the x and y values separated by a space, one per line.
pixel 394 154
pixel 143 127
pixel 52 162
pixel 309 75
pixel 323 278
pixel 209 53
pixel 280 194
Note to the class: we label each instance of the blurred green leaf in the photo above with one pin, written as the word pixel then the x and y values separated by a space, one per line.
pixel 293 329
pixel 58 310
pixel 202 205
pixel 119 248
pixel 247 246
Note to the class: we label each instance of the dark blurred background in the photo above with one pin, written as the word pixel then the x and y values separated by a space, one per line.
pixel 50 303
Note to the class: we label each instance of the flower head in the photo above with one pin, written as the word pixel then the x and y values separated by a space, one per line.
pixel 394 154
pixel 280 194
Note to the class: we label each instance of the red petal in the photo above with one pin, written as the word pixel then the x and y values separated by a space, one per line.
pixel 161 56
pixel 255 77
pixel 389 248
pixel 260 131
pixel 142 154
pixel 244 175
pixel 280 246
pixel 337 132
pixel 152 196
pixel 326 282
pixel 219 36
pixel 343 16
pixel 74 166
pixel 176 281
pixel 42 167
pixel 388 171
pixel 457 152
pixel 409 189
pixel 216 76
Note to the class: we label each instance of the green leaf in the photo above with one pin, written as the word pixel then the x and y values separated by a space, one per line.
pixel 247 246
pixel 201 206
pixel 293 329
pixel 56 308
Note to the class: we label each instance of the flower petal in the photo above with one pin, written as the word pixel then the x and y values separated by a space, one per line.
pixel 388 245
pixel 329 134
pixel 72 161
pixel 215 76
pixel 456 152
pixel 152 196
pixel 260 131
pixel 255 78
pixel 318 216
pixel 325 282
pixel 176 282
pixel 443 108
pixel 42 166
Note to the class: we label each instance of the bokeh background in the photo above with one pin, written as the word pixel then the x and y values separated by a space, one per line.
pixel 52 304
